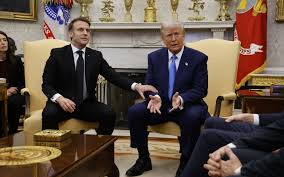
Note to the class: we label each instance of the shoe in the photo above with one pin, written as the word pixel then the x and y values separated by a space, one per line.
pixel 139 167
pixel 181 167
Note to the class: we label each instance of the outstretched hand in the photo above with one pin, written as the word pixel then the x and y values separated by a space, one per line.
pixel 176 102
pixel 154 104
pixel 144 88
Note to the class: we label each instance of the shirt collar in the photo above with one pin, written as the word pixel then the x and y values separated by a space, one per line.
pixel 75 49
pixel 170 54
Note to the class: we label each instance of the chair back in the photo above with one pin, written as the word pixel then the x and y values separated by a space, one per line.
pixel 36 53
pixel 222 65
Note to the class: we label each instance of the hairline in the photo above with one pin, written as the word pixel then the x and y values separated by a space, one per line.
pixel 82 19
pixel 165 25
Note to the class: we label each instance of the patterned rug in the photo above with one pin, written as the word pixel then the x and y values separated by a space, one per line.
pixel 159 147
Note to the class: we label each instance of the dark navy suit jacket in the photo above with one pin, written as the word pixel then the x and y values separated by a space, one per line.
pixel 191 78
pixel 268 138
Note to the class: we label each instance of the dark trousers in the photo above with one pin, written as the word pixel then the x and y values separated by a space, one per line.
pixel 88 110
pixel 216 134
pixel 15 107
pixel 189 119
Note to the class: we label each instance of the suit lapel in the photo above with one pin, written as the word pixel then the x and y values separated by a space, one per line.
pixel 69 63
pixel 183 64
pixel 88 65
pixel 165 64
pixel 70 59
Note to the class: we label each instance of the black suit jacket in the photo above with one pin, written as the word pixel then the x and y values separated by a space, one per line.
pixel 59 73
pixel 268 139
pixel 15 73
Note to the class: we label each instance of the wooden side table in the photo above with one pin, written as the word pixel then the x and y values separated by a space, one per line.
pixel 4 111
pixel 261 101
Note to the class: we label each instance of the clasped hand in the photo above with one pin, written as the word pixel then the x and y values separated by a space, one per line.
pixel 220 168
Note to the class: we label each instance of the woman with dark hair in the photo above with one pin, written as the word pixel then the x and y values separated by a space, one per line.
pixel 11 68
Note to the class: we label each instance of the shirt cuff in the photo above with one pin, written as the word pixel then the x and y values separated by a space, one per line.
pixel 54 97
pixel 133 86
pixel 181 103
pixel 255 119
pixel 238 171
pixel 231 145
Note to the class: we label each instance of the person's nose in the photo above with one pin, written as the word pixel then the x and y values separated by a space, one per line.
pixel 173 38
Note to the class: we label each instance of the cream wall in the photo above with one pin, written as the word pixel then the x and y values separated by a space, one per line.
pixel 22 30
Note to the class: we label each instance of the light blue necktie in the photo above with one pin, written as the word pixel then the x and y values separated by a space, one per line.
pixel 172 74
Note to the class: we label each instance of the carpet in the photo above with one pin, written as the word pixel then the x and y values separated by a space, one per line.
pixel 164 155
pixel 158 147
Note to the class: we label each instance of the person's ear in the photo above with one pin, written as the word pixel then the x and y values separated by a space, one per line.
pixel 70 34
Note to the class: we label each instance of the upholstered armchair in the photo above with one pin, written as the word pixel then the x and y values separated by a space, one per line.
pixel 222 67
pixel 36 53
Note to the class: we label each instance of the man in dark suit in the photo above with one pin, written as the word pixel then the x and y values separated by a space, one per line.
pixel 180 75
pixel 253 136
pixel 70 78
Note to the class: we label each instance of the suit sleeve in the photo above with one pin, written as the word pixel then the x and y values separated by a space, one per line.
pixel 112 76
pixel 268 138
pixel 265 119
pixel 49 75
pixel 150 77
pixel 20 74
pixel 270 165
pixel 199 83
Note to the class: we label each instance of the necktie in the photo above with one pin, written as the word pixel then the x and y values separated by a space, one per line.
pixel 79 77
pixel 172 75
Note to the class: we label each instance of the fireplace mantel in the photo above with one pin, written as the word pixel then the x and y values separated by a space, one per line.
pixel 137 26
pixel 126 45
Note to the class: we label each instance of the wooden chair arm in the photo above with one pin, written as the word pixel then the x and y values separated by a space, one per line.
pixel 227 97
